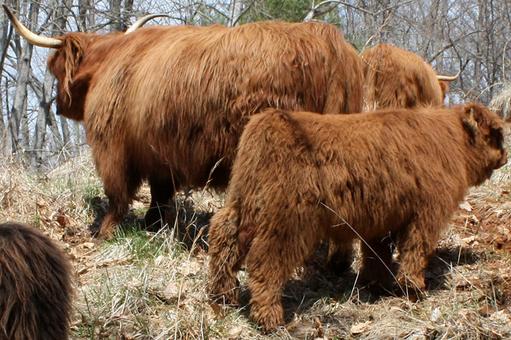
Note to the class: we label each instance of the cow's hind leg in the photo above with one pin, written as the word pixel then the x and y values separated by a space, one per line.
pixel 225 256
pixel 162 190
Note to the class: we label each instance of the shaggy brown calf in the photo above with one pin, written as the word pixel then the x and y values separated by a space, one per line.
pixel 396 78
pixel 300 178
pixel 168 104
pixel 35 286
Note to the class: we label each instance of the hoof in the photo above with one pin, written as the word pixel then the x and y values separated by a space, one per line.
pixel 268 317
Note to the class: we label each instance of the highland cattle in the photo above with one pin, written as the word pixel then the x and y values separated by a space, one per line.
pixel 396 78
pixel 300 178
pixel 168 104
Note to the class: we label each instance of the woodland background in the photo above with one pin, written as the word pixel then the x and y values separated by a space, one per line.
pixel 473 36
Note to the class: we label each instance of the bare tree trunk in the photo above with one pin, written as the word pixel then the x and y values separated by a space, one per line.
pixel 83 6
pixel 66 135
pixel 85 15
pixel 235 10
pixel 54 129
pixel 128 11
pixel 42 119
pixel 3 130
pixel 115 9
pixel 19 117
pixel 5 36
pixel 77 133
pixel 478 57
pixel 24 129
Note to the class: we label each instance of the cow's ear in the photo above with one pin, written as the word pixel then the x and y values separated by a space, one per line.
pixel 444 87
pixel 470 124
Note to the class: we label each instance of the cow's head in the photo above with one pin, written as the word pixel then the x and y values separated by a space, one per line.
pixel 444 82
pixel 67 63
pixel 486 136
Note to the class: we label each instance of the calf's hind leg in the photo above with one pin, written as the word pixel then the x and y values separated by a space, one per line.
pixel 270 262
pixel 225 256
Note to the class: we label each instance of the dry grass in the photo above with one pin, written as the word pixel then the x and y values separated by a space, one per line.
pixel 502 102
pixel 149 286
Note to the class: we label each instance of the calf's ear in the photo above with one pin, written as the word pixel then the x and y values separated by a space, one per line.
pixel 470 124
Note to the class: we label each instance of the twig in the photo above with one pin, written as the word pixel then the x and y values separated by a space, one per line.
pixel 366 243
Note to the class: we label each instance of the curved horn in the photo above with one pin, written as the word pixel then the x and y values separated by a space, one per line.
pixel 448 78
pixel 141 21
pixel 31 37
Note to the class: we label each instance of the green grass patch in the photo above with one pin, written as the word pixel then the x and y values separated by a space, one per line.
pixel 143 245
pixel 91 191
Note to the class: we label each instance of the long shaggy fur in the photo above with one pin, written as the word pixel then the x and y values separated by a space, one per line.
pixel 168 104
pixel 396 78
pixel 300 178
pixel 35 286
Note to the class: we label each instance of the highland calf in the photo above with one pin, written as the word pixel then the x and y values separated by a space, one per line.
pixel 396 78
pixel 168 104
pixel 300 178
pixel 35 286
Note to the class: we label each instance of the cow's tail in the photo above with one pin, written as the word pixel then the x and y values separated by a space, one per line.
pixel 225 256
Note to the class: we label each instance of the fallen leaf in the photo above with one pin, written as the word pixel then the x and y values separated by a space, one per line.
pixel 469 240
pixel 235 332
pixel 465 206
pixel 319 328
pixel 173 292
pixel 360 328
pixel 87 245
pixel 63 220
pixel 435 314
pixel 217 309
pixel 486 310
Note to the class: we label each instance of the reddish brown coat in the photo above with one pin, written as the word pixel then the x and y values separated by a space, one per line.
pixel 168 104
pixel 396 78
pixel 300 178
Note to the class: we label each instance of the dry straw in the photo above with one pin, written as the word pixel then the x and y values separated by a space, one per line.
pixel 502 102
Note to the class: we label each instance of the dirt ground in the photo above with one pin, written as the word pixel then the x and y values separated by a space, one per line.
pixel 145 285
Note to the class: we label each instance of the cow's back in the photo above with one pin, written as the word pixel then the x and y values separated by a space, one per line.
pixel 332 160
pixel 396 78
pixel 183 94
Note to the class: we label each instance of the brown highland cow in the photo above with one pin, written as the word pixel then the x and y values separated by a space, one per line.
pixel 35 286
pixel 168 104
pixel 396 78
pixel 300 178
